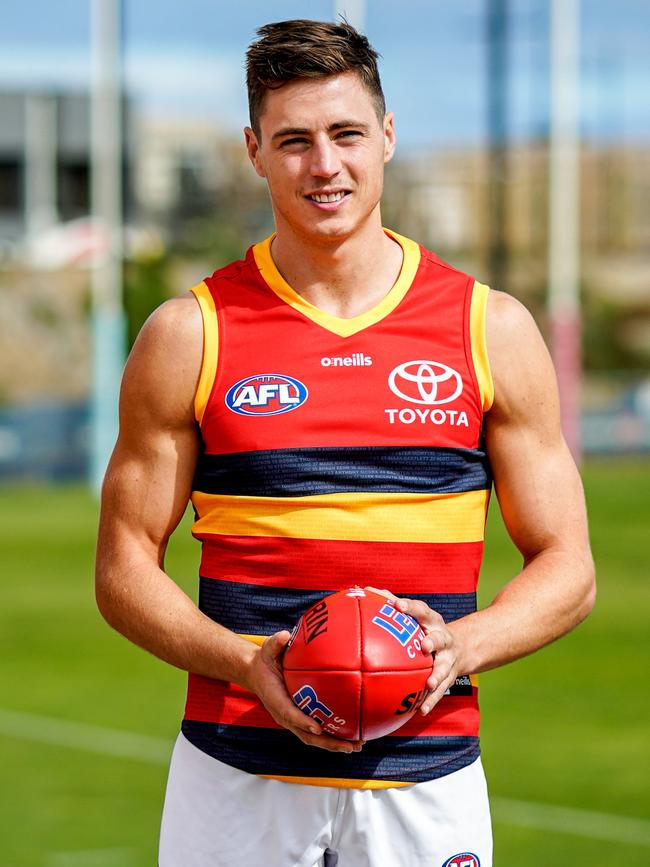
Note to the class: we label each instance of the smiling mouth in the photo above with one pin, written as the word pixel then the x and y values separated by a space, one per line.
pixel 325 198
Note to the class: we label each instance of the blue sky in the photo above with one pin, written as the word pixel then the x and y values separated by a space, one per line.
pixel 185 57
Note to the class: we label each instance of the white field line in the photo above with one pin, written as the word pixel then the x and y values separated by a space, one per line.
pixel 93 858
pixel 81 736
pixel 145 748
pixel 570 820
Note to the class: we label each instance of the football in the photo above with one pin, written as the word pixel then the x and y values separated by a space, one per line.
pixel 355 664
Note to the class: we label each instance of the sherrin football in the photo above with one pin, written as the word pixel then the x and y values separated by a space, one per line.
pixel 355 664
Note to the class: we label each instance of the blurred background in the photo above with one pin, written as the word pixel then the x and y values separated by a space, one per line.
pixel 523 158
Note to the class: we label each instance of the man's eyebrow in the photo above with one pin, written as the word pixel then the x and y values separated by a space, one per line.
pixel 290 130
pixel 339 124
pixel 346 124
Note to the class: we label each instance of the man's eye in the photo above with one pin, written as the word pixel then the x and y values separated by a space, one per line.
pixel 349 133
pixel 293 141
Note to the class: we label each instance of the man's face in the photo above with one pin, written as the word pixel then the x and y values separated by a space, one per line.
pixel 322 152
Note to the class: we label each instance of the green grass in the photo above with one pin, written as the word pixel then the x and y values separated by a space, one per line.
pixel 566 727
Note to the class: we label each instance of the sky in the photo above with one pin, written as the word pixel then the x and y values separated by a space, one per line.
pixel 185 57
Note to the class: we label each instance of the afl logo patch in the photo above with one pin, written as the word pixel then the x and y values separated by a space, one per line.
pixel 266 394
pixel 465 859
pixel 427 382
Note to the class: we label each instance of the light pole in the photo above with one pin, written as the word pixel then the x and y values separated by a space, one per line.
pixel 564 215
pixel 108 321
pixel 353 11
pixel 497 127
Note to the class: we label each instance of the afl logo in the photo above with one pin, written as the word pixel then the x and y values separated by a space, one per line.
pixel 465 859
pixel 427 382
pixel 266 394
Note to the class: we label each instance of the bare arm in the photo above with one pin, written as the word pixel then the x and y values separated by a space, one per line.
pixel 541 499
pixel 145 493
pixel 543 507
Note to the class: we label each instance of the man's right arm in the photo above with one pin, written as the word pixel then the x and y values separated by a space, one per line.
pixel 146 490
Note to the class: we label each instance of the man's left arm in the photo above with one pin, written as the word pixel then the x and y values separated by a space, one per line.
pixel 542 503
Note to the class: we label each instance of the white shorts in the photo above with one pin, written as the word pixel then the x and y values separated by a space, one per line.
pixel 219 816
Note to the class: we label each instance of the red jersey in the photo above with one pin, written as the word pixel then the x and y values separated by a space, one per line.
pixel 338 452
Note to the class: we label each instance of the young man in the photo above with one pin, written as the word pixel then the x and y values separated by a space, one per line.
pixel 336 405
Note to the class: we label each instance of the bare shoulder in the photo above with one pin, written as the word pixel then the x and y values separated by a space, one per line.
pixel 164 365
pixel 509 322
pixel 521 366
pixel 175 324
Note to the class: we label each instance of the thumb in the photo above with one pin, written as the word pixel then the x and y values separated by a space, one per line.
pixel 274 646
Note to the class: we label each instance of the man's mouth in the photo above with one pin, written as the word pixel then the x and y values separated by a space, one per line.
pixel 323 198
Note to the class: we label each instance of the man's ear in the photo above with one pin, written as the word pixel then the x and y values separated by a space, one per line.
pixel 253 148
pixel 389 136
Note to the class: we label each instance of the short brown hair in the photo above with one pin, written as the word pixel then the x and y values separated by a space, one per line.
pixel 290 50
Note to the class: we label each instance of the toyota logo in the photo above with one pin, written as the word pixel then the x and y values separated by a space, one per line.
pixel 428 382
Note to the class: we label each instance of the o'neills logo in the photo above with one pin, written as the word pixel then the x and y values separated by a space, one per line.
pixel 357 359
pixel 429 384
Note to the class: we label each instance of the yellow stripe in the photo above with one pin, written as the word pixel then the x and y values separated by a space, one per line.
pixel 342 327
pixel 477 318
pixel 256 639
pixel 360 517
pixel 210 348
pixel 337 783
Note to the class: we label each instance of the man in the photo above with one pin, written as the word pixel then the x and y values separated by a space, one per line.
pixel 336 405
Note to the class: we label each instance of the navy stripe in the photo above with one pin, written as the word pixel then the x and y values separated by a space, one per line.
pixel 267 751
pixel 258 610
pixel 308 472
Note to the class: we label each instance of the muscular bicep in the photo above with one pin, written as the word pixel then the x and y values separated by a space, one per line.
pixel 149 477
pixel 536 480
pixel 146 490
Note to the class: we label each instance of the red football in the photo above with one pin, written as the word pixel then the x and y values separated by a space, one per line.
pixel 355 664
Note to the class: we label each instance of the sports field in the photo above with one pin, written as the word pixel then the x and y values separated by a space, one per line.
pixel 87 720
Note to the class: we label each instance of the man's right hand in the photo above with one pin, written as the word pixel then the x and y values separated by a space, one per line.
pixel 265 679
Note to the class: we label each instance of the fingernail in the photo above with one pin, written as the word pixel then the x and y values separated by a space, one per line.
pixel 316 731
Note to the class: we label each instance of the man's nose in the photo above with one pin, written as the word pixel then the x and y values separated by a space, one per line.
pixel 325 160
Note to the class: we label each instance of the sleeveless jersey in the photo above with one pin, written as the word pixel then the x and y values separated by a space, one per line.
pixel 338 452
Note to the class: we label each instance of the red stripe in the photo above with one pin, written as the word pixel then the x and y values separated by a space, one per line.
pixel 219 702
pixel 316 564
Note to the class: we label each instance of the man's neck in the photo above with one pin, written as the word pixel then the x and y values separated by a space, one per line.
pixel 345 278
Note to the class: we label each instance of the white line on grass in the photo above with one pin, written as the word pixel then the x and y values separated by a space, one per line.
pixel 92 858
pixel 570 820
pixel 145 748
pixel 82 736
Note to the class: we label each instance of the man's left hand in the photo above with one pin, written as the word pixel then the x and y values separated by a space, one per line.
pixel 439 642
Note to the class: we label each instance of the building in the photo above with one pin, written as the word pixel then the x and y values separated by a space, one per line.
pixel 45 160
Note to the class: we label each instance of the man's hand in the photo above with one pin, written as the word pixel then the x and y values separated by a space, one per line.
pixel 439 642
pixel 265 679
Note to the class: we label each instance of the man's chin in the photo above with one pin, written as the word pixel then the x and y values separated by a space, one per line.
pixel 336 227
pixel 323 231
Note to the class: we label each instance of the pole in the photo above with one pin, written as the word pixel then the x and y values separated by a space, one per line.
pixel 497 84
pixel 564 215
pixel 108 322
pixel 40 163
pixel 353 11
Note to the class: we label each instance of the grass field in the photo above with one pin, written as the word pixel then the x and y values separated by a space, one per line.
pixel 564 730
